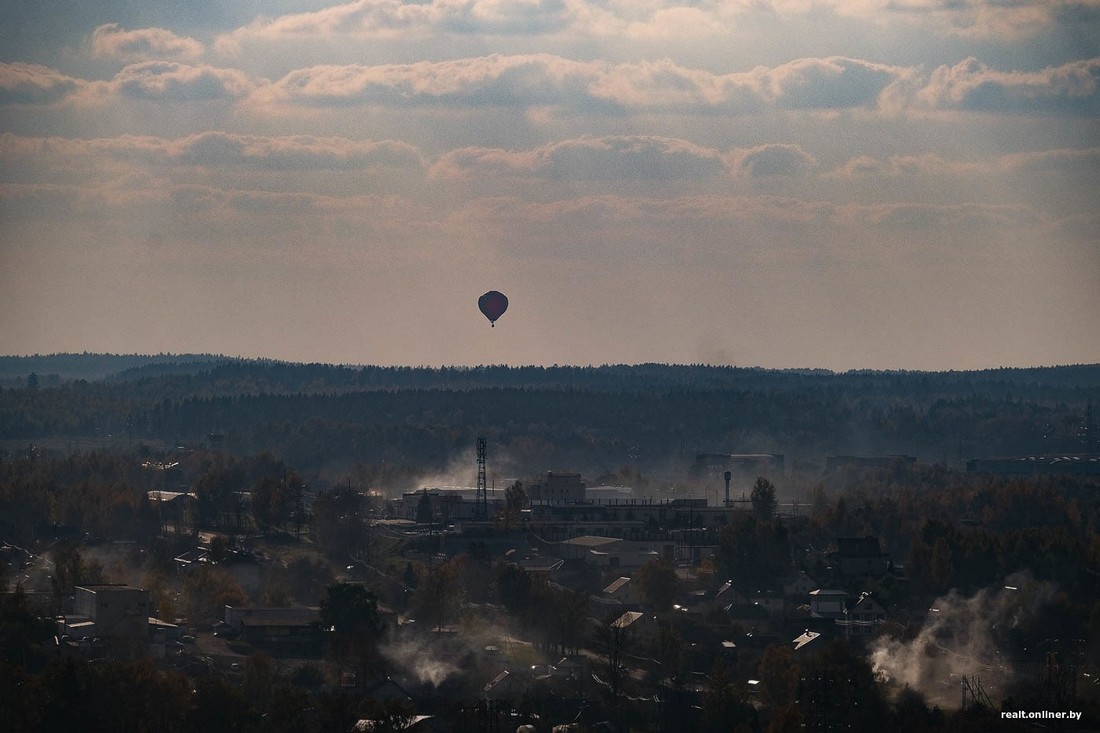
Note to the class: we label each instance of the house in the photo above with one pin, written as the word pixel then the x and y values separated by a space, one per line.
pixel 546 568
pixel 865 616
pixel 746 612
pixel 797 585
pixel 173 507
pixel 505 686
pixel 805 638
pixel 622 590
pixel 190 559
pixel 859 556
pixel 638 624
pixel 388 691
pixel 825 603
pixel 415 724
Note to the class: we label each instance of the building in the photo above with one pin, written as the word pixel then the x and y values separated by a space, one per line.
pixel 859 556
pixel 865 616
pixel 798 585
pixel 557 488
pixel 117 614
pixel 1071 464
pixel 741 465
pixel 613 553
pixel 622 590
pixel 279 631
pixel 537 566
pixel 837 463
pixel 448 504
pixel 826 603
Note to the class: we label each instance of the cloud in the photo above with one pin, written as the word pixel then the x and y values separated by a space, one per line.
pixel 545 82
pixel 933 165
pixel 831 82
pixel 1063 159
pixel 206 213
pixel 215 150
pixel 606 158
pixel 974 19
pixel 772 160
pixel 895 166
pixel 972 86
pixel 146 43
pixel 32 84
pixel 655 20
pixel 393 18
pixel 962 217
pixel 545 79
pixel 166 81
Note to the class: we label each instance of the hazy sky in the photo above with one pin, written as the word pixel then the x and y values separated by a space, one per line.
pixel 783 183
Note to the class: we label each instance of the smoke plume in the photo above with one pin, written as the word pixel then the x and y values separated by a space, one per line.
pixel 960 637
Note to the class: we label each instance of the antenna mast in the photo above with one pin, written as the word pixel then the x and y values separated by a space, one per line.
pixel 481 509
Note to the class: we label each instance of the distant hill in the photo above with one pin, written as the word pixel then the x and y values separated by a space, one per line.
pixel 590 418
pixel 56 368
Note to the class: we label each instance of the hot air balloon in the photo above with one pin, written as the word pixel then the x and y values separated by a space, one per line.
pixel 493 304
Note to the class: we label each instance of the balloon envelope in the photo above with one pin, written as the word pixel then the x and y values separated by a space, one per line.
pixel 493 304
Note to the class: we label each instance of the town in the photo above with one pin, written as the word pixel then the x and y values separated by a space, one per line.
pixel 185 586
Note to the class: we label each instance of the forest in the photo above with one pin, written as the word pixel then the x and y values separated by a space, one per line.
pixel 325 418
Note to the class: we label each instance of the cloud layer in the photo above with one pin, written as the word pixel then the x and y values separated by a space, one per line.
pixel 837 184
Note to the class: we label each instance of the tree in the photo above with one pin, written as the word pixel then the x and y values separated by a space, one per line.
pixel 215 489
pixel 259 681
pixel 778 677
pixel 350 614
pixel 566 611
pixel 615 640
pixel 725 704
pixel 71 570
pixel 208 590
pixel 763 498
pixel 942 566
pixel 515 501
pixel 659 584
pixel 670 653
pixel 513 588
pixel 439 596
pixel 308 579
pixel 21 629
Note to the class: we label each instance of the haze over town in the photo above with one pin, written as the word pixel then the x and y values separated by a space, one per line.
pixel 785 184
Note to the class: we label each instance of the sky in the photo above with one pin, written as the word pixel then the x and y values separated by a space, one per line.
pixel 839 184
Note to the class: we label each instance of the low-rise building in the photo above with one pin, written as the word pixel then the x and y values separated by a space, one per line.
pixel 828 603
pixel 279 631
pixel 116 615
pixel 557 488
pixel 859 556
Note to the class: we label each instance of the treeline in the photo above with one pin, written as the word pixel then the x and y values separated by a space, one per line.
pixel 594 419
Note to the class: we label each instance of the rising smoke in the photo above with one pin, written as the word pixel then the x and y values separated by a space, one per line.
pixel 961 636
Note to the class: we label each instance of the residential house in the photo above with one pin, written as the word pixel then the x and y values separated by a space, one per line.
pixel 826 603
pixel 622 590
pixel 865 616
pixel 859 556
pixel 798 585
